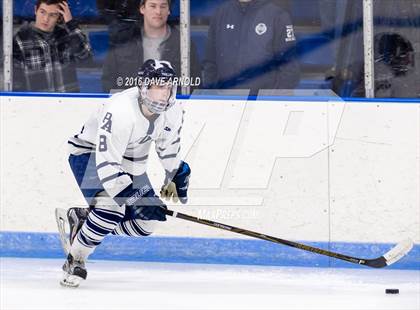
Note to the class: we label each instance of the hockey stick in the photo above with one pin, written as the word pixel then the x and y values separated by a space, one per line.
pixel 387 259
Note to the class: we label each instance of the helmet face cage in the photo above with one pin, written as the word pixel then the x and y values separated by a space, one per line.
pixel 158 73
pixel 155 106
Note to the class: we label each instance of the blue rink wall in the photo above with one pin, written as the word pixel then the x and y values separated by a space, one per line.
pixel 342 176
pixel 202 250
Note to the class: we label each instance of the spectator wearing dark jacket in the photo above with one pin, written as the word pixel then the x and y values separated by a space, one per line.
pixel 251 45
pixel 152 39
pixel 45 53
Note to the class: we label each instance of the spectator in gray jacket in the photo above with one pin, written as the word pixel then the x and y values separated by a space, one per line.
pixel 45 53
pixel 152 39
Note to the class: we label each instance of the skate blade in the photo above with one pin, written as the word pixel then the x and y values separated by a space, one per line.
pixel 71 281
pixel 62 223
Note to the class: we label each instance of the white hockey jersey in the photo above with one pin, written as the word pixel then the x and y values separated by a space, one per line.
pixel 121 136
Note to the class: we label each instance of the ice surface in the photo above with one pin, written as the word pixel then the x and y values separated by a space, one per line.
pixel 34 284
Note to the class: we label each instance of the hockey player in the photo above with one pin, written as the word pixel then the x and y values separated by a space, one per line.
pixel 108 159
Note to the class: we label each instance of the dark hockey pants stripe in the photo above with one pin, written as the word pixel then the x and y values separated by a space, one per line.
pixel 101 222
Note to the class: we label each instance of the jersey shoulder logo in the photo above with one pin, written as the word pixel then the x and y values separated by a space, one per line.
pixel 229 26
pixel 167 128
pixel 260 29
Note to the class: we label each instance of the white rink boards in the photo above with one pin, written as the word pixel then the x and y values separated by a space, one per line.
pixel 318 171
pixel 342 175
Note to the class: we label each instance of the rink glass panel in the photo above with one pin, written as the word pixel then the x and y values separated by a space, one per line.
pixel 329 41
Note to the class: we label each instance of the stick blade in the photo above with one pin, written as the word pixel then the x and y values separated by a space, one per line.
pixel 392 256
pixel 399 251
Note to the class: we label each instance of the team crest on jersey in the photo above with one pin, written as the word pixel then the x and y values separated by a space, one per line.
pixel 107 122
pixel 261 28
pixel 290 33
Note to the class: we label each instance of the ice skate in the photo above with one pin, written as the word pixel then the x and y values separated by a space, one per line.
pixel 74 272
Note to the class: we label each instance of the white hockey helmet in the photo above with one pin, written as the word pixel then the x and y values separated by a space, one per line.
pixel 160 73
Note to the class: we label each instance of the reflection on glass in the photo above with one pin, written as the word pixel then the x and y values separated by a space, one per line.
pixel 396 35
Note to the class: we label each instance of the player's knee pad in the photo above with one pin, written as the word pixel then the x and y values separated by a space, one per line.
pixel 103 202
pixel 105 215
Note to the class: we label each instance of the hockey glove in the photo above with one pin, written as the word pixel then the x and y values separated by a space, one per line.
pixel 177 188
pixel 142 204
pixel 150 213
